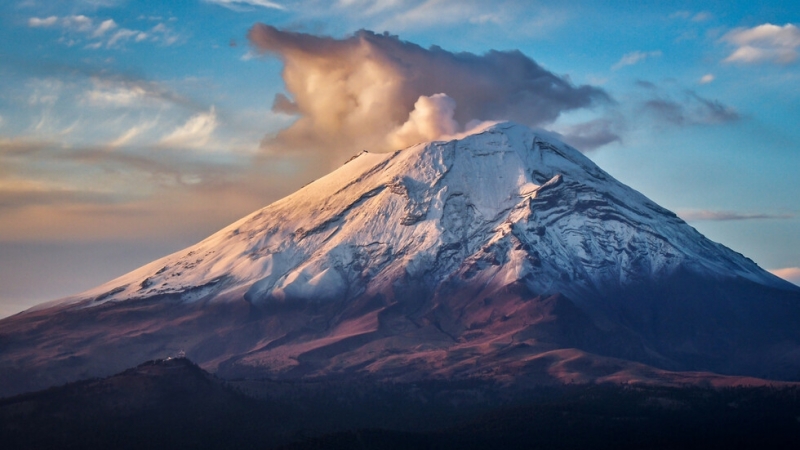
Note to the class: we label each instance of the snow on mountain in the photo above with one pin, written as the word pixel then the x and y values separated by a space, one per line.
pixel 505 193
pixel 504 254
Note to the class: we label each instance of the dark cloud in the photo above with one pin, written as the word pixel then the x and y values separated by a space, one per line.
pixel 690 109
pixel 359 91
pixel 593 134
pixel 22 198
pixel 666 110
pixel 645 84
pixel 19 148
pixel 710 215
pixel 714 111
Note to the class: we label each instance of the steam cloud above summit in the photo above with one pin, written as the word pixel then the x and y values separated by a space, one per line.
pixel 374 91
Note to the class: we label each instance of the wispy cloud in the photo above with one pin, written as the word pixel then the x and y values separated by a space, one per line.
pixel 707 78
pixel 24 193
pixel 106 94
pixel 36 22
pixel 245 5
pixel 131 133
pixel 44 91
pixel 53 191
pixel 439 12
pixel 195 133
pixel 104 27
pixel 103 33
pixel 588 136
pixel 636 57
pixel 689 109
pixel 764 43
pixel 701 16
pixel 503 16
pixel 116 90
pixel 696 215
pixel 20 147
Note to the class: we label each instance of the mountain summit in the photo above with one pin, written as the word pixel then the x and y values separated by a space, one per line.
pixel 505 254
pixel 540 210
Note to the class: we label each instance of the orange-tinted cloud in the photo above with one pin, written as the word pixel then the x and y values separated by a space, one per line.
pixel 372 91
pixel 791 274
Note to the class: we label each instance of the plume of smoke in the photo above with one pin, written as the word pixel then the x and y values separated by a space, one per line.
pixel 374 91
pixel 432 118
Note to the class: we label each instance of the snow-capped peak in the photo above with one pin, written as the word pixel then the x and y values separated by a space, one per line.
pixel 506 201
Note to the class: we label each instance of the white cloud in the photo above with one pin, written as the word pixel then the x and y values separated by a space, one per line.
pixel 105 34
pixel 122 35
pixel 106 93
pixel 116 91
pixel 36 22
pixel 707 78
pixel 764 43
pixel 125 35
pixel 116 96
pixel 105 26
pixel 77 23
pixel 195 133
pixel 167 36
pixel 791 274
pixel 238 5
pixel 632 58
pixel 130 134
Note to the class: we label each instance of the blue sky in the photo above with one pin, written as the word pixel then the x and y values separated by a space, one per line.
pixel 130 129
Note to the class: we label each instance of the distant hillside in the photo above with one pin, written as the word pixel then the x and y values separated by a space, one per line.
pixel 173 404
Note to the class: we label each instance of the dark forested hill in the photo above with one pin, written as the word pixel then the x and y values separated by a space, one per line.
pixel 169 404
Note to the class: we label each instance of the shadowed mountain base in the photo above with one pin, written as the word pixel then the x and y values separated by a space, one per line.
pixel 173 404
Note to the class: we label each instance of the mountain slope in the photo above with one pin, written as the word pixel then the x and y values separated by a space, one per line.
pixel 399 210
pixel 503 254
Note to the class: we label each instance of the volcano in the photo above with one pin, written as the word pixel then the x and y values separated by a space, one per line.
pixel 504 255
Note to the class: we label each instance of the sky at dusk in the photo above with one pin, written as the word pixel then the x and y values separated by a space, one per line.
pixel 131 129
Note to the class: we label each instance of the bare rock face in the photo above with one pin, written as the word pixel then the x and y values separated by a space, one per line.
pixel 505 255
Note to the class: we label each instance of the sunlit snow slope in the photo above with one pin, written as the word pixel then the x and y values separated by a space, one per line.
pixel 506 194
